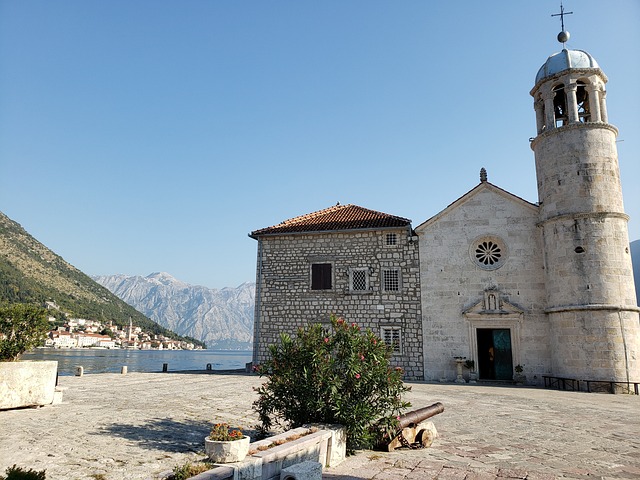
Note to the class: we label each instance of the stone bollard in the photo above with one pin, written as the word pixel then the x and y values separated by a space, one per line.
pixel 123 370
pixel 165 367
pixel 79 371
pixel 208 366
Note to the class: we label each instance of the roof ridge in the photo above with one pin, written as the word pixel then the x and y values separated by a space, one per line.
pixel 336 217
pixel 308 216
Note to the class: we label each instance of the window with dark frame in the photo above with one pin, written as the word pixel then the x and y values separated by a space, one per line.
pixel 321 276
pixel 391 239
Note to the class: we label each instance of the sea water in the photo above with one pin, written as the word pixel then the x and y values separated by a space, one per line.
pixel 112 360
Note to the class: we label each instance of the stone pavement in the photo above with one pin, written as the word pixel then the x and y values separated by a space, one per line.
pixel 136 426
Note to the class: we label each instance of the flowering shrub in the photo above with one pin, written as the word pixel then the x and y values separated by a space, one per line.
pixel 338 375
pixel 221 432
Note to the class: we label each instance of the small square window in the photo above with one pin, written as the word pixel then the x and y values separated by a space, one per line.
pixel 392 336
pixel 359 279
pixel 391 239
pixel 321 276
pixel 391 280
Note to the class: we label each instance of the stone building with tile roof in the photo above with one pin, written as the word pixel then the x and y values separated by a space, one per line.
pixel 345 260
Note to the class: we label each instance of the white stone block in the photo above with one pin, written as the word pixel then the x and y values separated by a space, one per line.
pixel 302 471
pixel 337 445
pixel 27 383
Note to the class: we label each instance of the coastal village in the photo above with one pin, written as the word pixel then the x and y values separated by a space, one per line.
pixel 83 333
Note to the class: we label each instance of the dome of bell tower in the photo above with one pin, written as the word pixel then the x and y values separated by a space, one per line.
pixel 565 60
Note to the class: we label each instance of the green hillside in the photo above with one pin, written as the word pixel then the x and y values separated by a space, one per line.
pixel 31 273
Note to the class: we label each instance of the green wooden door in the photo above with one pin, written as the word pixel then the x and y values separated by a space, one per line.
pixel 495 361
pixel 503 364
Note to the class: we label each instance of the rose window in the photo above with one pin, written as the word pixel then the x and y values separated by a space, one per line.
pixel 488 252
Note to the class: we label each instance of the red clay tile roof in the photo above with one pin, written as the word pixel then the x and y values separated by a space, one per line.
pixel 338 217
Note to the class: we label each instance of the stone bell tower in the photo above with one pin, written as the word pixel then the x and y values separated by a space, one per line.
pixel 591 301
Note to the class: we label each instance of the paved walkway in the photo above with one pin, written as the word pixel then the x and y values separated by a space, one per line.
pixel 136 426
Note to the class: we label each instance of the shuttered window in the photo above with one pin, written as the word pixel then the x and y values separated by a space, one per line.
pixel 321 276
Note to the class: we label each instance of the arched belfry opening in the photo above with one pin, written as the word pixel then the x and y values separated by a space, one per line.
pixel 560 106
pixel 582 100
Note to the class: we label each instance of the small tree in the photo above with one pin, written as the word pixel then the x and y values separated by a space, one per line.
pixel 22 327
pixel 338 375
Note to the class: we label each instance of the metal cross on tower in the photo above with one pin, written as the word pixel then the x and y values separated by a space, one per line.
pixel 561 15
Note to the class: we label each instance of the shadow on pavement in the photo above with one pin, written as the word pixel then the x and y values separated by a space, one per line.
pixel 162 434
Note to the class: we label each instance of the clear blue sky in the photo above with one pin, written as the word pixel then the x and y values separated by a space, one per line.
pixel 141 136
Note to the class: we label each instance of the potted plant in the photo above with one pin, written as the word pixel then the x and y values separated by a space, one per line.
pixel 24 383
pixel 470 365
pixel 520 378
pixel 225 444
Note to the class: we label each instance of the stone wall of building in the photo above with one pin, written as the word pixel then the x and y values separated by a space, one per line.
pixel 286 301
pixel 454 281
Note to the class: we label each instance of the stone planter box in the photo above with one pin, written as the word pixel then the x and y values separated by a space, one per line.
pixel 27 383
pixel 311 447
pixel 327 446
pixel 227 452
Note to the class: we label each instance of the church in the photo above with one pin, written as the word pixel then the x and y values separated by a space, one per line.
pixel 540 292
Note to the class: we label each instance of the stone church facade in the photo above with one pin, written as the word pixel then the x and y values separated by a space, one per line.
pixel 482 285
pixel 546 287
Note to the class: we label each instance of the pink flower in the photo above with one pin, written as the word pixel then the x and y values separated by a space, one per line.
pixel 357 375
pixel 398 418
pixel 326 339
pixel 361 357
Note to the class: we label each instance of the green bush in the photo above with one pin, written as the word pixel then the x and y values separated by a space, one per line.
pixel 337 375
pixel 17 473
pixel 22 327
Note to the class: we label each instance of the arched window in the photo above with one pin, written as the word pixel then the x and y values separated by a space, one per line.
pixel 560 106
pixel 582 98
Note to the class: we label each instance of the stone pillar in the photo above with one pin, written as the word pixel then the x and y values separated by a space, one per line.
pixel 549 111
pixel 603 106
pixel 572 103
pixel 538 105
pixel 594 103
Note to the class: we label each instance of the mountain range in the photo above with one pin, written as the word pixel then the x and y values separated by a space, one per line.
pixel 223 319
pixel 32 273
